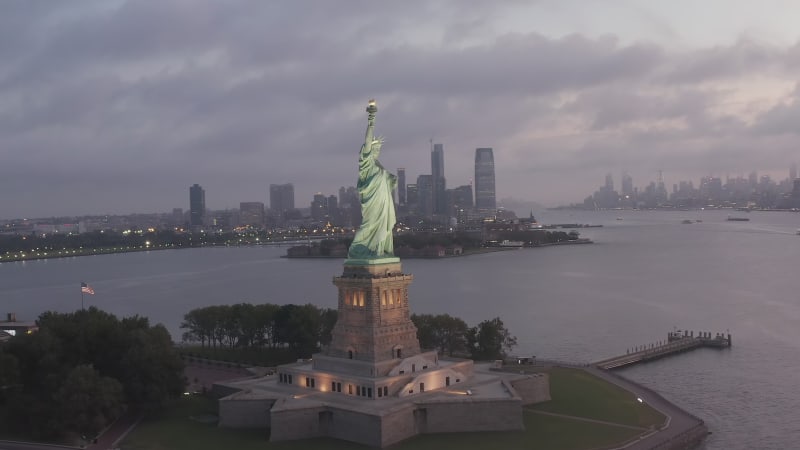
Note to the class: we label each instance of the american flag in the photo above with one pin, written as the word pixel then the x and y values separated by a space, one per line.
pixel 86 289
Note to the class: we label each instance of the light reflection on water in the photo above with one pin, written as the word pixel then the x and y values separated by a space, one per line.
pixel 646 274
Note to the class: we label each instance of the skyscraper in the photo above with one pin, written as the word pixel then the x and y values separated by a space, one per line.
pixel 412 196
pixel 793 172
pixel 459 198
pixel 425 195
pixel 197 205
pixel 251 213
pixel 281 198
pixel 401 186
pixel 439 196
pixel 319 207
pixel 627 184
pixel 484 180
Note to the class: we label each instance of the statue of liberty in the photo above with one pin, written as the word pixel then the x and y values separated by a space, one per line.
pixel 376 185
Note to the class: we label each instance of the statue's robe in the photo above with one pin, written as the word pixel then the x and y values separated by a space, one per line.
pixel 375 188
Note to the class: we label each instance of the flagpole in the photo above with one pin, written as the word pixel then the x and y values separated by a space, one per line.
pixel 82 308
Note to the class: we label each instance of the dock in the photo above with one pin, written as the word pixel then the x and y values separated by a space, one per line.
pixel 677 341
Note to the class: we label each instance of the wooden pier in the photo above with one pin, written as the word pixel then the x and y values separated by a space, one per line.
pixel 677 341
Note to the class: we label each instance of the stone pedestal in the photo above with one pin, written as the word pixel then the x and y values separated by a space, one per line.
pixel 374 324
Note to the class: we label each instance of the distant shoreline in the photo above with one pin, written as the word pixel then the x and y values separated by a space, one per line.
pixel 477 251
pixel 113 251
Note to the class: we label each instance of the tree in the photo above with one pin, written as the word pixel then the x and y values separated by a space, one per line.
pixel 299 327
pixel 426 330
pixel 442 332
pixel 9 373
pixel 264 315
pixel 151 369
pixel 490 340
pixel 453 335
pixel 328 317
pixel 88 402
pixel 72 360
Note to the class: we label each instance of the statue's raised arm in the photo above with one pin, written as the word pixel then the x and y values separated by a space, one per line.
pixel 374 240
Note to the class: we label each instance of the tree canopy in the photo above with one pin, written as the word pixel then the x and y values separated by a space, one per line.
pixel 81 369
pixel 451 336
pixel 303 328
pixel 490 340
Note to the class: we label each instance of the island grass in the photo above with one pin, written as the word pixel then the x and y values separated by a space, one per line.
pixel 264 357
pixel 577 393
pixel 541 433
pixel 174 429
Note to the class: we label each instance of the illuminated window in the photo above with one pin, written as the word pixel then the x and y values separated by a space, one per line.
pixel 361 298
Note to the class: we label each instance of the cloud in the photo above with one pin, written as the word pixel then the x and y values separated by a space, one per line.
pixel 153 96
pixel 782 118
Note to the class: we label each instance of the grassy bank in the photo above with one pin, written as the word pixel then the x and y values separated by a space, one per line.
pixel 181 428
pixel 245 357
pixel 577 393
pixel 574 392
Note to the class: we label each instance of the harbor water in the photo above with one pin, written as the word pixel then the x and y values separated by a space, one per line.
pixel 648 273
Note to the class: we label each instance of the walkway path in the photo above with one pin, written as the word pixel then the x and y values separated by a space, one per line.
pixel 111 436
pixel 678 420
pixel 584 419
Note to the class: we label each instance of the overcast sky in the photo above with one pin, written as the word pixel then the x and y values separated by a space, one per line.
pixel 114 107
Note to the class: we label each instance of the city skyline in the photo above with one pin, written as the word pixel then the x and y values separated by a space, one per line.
pixel 116 107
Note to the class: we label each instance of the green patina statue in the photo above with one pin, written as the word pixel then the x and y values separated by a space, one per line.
pixel 376 185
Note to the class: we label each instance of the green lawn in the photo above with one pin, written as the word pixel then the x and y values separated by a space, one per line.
pixel 174 430
pixel 577 393
pixel 265 357
pixel 541 433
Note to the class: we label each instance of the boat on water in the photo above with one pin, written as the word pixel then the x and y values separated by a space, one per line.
pixel 738 219
pixel 798 231
pixel 507 243
pixel 686 221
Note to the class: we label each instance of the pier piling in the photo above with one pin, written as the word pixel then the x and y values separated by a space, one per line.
pixel 677 341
